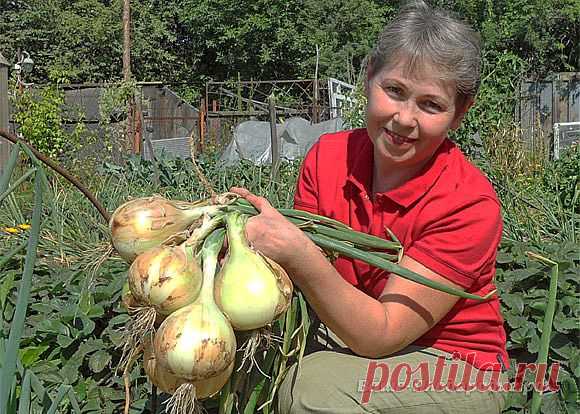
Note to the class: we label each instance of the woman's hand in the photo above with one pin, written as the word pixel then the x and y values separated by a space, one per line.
pixel 271 233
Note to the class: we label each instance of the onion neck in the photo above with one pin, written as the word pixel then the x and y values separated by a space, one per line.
pixel 209 257
pixel 197 211
pixel 208 225
pixel 236 226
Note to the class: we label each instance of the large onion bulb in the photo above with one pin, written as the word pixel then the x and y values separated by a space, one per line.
pixel 250 289
pixel 165 278
pixel 144 223
pixel 169 383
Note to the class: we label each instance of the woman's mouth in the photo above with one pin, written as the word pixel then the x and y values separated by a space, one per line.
pixel 397 139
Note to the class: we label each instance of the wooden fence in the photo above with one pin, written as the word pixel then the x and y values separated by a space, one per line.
pixel 167 117
pixel 545 103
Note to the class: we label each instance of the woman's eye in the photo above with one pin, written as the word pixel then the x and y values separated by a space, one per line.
pixel 433 106
pixel 393 90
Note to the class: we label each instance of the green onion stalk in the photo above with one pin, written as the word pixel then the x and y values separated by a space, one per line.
pixel 342 240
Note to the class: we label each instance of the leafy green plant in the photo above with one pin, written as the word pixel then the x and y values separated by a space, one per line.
pixel 524 287
pixel 113 107
pixel 40 115
pixel 71 332
pixel 495 101
pixel 354 112
pixel 16 398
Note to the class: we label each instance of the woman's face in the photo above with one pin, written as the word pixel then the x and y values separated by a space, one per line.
pixel 408 118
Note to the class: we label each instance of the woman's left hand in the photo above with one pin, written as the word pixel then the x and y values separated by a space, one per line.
pixel 271 233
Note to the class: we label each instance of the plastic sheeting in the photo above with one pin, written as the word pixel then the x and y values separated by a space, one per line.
pixel 251 140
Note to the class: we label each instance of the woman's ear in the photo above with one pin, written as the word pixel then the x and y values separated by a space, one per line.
pixel 462 108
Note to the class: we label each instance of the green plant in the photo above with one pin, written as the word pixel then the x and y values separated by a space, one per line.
pixel 523 288
pixel 113 107
pixel 495 102
pixel 40 115
pixel 15 398
pixel 354 112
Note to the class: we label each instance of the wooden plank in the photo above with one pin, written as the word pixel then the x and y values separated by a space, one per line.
pixel 274 139
pixel 5 146
pixel 527 110
pixel 569 76
pixel 545 105
pixel 561 101
pixel 574 101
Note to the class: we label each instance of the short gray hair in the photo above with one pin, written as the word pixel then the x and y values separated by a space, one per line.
pixel 423 36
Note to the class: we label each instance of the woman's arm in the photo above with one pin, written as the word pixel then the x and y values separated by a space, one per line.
pixel 369 327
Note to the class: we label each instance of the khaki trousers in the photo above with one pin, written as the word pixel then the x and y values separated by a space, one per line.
pixel 331 380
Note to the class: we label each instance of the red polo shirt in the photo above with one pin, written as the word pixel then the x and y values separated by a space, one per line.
pixel 447 218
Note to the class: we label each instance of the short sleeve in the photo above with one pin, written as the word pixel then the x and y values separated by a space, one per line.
pixel 306 194
pixel 461 245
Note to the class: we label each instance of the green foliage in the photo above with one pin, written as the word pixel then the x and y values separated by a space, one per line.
pixel 540 199
pixel 540 209
pixel 354 113
pixel 40 114
pixel 72 329
pixel 14 358
pixel 189 42
pixel 523 284
pixel 495 102
pixel 562 178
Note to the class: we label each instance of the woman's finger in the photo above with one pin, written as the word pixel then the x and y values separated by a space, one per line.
pixel 240 191
pixel 261 203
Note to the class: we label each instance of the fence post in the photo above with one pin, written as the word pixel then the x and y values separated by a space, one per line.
pixel 4 113
pixel 273 137
pixel 215 122
pixel 201 124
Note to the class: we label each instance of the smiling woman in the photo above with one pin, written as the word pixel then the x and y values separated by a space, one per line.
pixel 403 173
pixel 408 117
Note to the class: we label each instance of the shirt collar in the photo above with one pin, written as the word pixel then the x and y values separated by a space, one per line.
pixel 361 174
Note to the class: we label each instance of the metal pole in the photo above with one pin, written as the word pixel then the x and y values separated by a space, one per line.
pixel 5 146
pixel 274 138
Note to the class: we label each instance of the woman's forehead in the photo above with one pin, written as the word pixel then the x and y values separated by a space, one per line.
pixel 422 72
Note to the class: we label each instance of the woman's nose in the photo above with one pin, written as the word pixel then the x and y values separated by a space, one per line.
pixel 406 115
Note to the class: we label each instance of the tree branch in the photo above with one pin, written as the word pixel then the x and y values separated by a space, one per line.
pixel 74 181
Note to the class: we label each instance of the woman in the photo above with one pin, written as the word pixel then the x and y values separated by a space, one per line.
pixel 401 172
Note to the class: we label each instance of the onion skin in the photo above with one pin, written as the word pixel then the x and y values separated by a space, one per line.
pixel 168 383
pixel 127 298
pixel 250 289
pixel 143 223
pixel 159 376
pixel 165 278
pixel 211 386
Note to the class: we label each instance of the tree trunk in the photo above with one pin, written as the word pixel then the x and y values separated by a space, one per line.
pixel 130 140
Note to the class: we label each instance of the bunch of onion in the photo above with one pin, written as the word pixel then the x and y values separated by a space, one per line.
pixel 197 343
pixel 143 223
pixel 162 280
